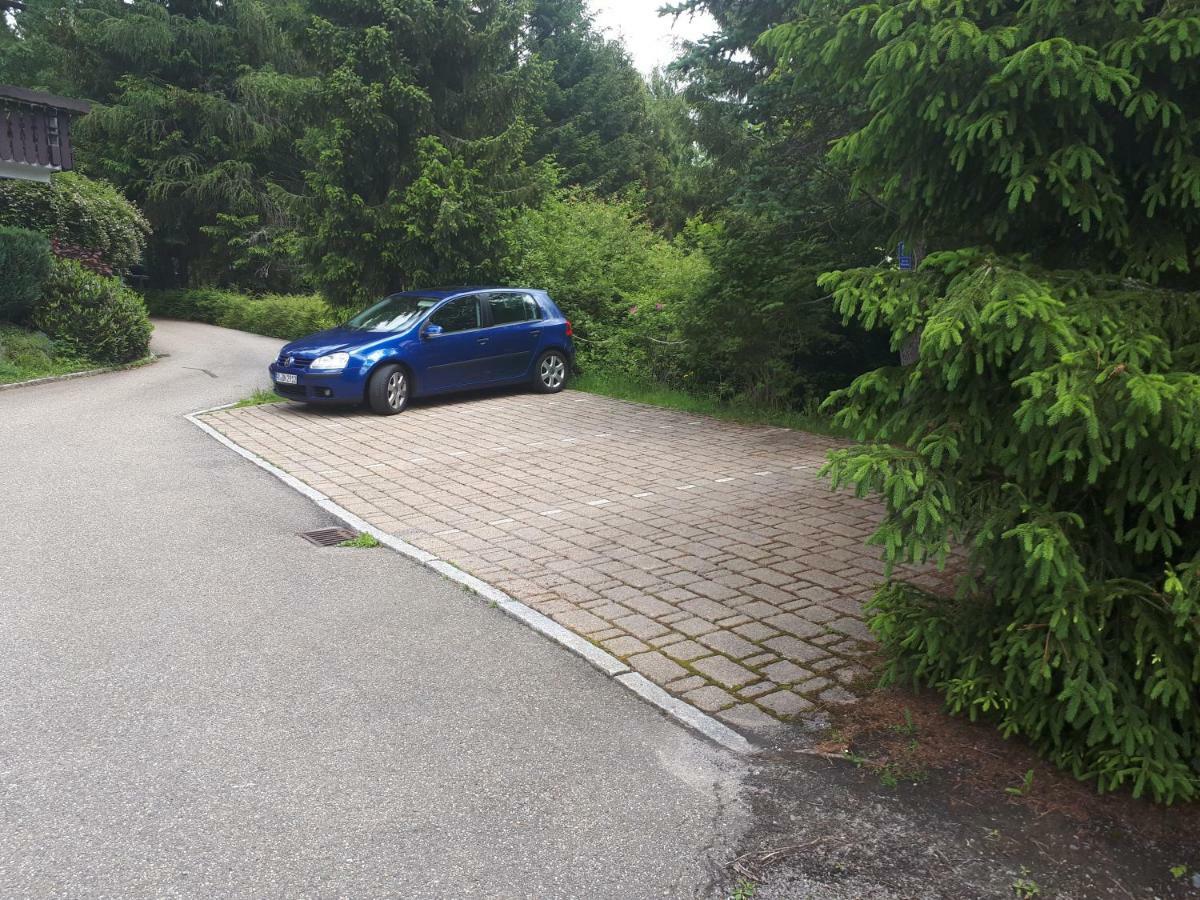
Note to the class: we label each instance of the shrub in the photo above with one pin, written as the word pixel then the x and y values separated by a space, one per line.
pixel 92 315
pixel 1050 427
pixel 275 315
pixel 24 265
pixel 25 355
pixel 621 284
pixel 85 216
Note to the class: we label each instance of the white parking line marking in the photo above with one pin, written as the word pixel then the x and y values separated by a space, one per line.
pixel 376 465
pixel 447 531
pixel 645 494
pixel 598 502
pixel 802 467
pixel 417 459
pixel 459 453
pixel 685 487
pixel 762 473
pixel 500 449
pixel 723 480
pixel 570 440
pixel 502 521
pixel 551 512
pixel 600 434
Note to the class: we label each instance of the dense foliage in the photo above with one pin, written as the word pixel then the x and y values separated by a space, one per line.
pixel 625 286
pixel 1050 425
pixel 92 316
pixel 84 216
pixel 24 265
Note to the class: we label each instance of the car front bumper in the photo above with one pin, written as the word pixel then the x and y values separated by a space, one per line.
pixel 345 386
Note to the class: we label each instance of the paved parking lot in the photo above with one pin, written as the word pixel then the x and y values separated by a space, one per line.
pixel 707 555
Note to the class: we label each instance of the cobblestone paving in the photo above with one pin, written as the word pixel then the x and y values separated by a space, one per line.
pixel 707 555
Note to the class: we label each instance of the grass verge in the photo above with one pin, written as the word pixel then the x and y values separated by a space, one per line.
pixel 26 355
pixel 259 398
pixel 625 388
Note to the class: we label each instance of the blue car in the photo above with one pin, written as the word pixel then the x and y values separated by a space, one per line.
pixel 420 343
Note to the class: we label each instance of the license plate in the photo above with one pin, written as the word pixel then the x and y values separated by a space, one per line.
pixel 285 378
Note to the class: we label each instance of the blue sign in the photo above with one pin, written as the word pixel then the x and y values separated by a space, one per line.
pixel 906 262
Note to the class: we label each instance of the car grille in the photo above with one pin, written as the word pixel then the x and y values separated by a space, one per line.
pixel 297 363
pixel 290 390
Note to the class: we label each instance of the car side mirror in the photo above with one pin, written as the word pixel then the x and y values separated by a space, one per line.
pixel 431 330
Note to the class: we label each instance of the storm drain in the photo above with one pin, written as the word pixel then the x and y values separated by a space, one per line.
pixel 329 537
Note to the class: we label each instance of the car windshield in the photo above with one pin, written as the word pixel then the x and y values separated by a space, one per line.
pixel 394 313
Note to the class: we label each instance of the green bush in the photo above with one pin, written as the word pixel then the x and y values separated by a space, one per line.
pixel 25 355
pixel 92 315
pixel 275 315
pixel 83 214
pixel 622 285
pixel 24 265
pixel 1050 428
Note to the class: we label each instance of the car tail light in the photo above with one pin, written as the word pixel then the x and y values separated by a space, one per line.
pixel 570 333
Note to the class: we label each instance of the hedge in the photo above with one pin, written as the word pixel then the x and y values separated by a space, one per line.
pixel 287 316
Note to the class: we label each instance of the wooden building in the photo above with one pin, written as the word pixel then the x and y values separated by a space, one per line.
pixel 35 133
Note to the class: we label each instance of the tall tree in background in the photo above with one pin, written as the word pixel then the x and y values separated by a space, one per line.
pixel 421 156
pixel 176 124
pixel 777 215
pixel 593 116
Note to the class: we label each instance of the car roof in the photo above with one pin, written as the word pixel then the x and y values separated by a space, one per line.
pixel 441 293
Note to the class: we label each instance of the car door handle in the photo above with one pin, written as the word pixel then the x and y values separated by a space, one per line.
pixel 482 341
pixel 537 332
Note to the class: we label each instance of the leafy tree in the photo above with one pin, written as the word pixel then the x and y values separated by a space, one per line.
pixel 79 213
pixel 1049 427
pixel 623 286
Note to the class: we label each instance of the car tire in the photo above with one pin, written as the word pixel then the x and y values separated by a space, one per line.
pixel 388 390
pixel 550 373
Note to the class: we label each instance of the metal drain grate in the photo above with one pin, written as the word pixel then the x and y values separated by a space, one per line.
pixel 329 537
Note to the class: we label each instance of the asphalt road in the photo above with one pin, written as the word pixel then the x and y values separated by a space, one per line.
pixel 195 702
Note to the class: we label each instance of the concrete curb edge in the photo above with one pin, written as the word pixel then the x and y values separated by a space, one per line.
pixel 683 713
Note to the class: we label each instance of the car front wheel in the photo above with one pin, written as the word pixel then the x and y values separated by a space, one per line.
pixel 550 373
pixel 388 390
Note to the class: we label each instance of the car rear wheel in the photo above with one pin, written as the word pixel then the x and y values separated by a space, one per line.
pixel 388 390
pixel 550 373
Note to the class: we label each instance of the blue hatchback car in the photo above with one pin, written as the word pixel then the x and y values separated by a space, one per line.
pixel 418 343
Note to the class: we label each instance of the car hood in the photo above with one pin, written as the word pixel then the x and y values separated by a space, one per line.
pixel 333 340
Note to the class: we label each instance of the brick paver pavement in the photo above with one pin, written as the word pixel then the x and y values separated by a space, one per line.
pixel 707 555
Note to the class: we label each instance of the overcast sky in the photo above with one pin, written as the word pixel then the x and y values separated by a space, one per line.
pixel 649 37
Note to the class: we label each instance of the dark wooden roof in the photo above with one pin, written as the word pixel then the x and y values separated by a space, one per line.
pixel 37 98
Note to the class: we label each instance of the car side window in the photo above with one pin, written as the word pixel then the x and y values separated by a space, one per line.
pixel 461 314
pixel 508 309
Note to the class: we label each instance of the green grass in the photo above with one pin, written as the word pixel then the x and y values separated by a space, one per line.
pixel 364 541
pixel 258 398
pixel 25 355
pixel 625 388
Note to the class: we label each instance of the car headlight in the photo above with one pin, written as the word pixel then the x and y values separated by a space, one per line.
pixel 331 361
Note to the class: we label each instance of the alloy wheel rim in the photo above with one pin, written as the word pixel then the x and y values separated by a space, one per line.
pixel 397 390
pixel 554 371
